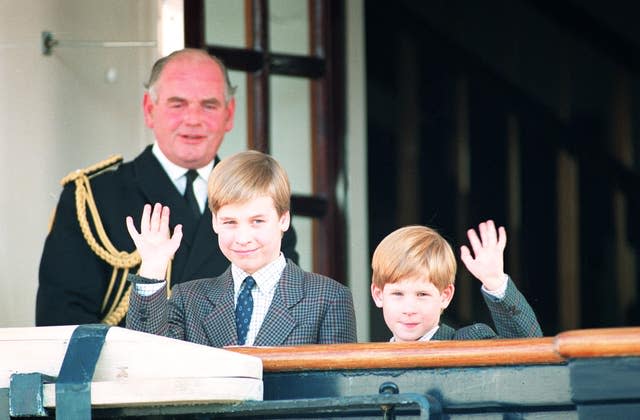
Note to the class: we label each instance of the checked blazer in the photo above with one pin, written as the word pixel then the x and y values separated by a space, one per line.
pixel 512 316
pixel 307 308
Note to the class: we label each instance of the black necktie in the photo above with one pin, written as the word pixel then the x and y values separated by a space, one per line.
pixel 244 309
pixel 189 196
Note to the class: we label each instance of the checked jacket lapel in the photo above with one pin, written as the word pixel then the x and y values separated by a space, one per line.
pixel 219 325
pixel 279 321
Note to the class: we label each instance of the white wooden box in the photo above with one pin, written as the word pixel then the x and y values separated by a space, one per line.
pixel 136 369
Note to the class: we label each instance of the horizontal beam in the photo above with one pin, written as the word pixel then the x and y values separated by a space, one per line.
pixel 252 61
pixel 309 206
pixel 605 342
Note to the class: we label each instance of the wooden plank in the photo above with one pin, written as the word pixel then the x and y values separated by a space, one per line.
pixel 603 342
pixel 599 342
pixel 165 391
pixel 406 355
pixel 135 367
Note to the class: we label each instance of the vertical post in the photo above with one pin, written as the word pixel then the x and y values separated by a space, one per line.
pixel 194 24
pixel 257 35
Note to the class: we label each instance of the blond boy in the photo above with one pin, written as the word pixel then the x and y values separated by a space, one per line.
pixel 413 277
pixel 262 299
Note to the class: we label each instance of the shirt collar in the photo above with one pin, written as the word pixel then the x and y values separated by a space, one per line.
pixel 266 278
pixel 174 171
pixel 429 334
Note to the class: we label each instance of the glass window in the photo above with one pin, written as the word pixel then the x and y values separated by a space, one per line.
pixel 291 129
pixel 224 23
pixel 288 26
pixel 236 139
pixel 290 126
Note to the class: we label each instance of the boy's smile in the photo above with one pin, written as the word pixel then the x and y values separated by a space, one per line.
pixel 250 233
pixel 411 306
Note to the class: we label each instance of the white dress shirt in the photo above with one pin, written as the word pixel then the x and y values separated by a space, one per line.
pixel 178 176
pixel 267 279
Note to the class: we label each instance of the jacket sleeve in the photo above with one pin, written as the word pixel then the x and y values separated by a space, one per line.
pixel 512 315
pixel 72 279
pixel 339 322
pixel 148 313
pixel 474 332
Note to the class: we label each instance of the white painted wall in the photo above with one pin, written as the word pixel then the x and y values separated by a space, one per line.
pixel 58 113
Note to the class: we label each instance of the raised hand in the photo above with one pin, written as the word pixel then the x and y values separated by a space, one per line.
pixel 487 263
pixel 154 243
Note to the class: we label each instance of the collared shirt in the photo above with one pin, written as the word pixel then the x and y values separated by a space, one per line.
pixel 267 279
pixel 178 176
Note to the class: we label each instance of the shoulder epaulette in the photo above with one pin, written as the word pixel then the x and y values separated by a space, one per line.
pixel 116 299
pixel 93 169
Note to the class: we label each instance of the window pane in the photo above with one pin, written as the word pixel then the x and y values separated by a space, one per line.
pixel 224 23
pixel 291 144
pixel 289 26
pixel 236 139
pixel 291 129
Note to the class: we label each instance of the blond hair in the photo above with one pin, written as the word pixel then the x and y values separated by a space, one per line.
pixel 248 175
pixel 414 251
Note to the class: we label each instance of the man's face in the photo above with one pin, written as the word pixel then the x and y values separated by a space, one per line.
pixel 189 117
pixel 250 233
pixel 411 306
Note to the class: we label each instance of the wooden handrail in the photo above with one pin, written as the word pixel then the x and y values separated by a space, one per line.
pixel 610 342
pixel 600 342
pixel 404 355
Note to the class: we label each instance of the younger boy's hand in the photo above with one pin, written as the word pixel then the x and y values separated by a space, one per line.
pixel 488 265
pixel 155 246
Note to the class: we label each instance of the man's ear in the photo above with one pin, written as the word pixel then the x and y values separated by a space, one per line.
pixel 285 221
pixel 147 108
pixel 376 294
pixel 231 111
pixel 446 295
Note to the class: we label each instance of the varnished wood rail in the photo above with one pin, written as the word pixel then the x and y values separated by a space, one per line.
pixel 600 342
pixel 609 342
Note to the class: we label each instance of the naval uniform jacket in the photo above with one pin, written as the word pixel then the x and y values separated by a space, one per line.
pixel 73 280
pixel 307 308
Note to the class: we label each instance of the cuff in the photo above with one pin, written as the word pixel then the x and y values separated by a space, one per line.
pixel 499 293
pixel 145 286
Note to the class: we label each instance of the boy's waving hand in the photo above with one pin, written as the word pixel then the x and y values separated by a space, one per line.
pixel 487 263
